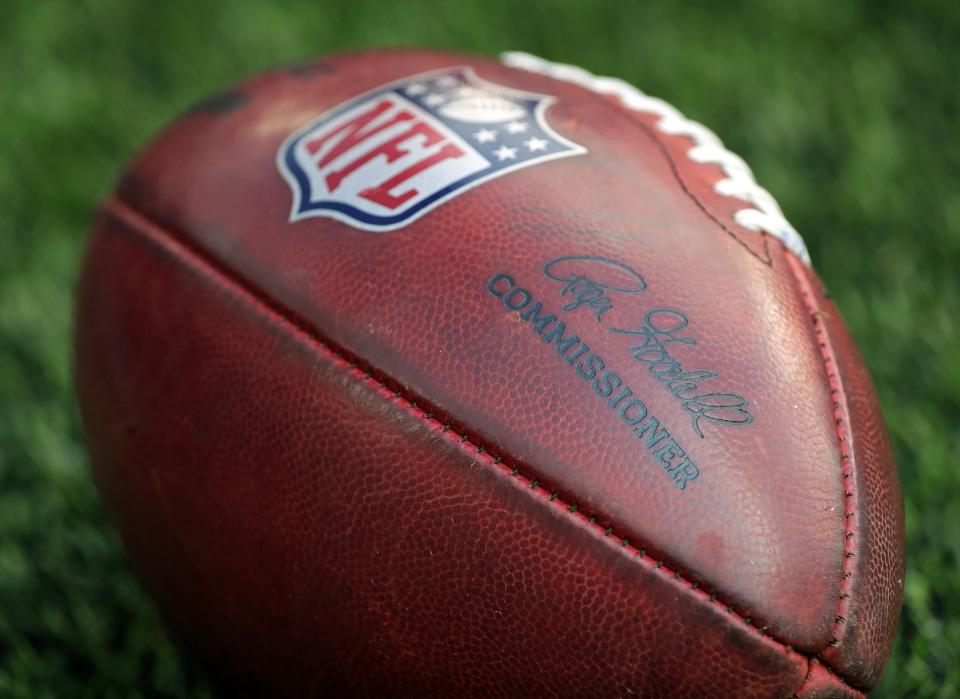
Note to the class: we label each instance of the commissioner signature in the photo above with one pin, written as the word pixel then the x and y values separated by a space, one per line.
pixel 592 282
pixel 660 328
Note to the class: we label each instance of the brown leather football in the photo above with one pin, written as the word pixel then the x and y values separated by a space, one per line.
pixel 408 373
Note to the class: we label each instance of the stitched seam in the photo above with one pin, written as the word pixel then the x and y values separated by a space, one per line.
pixel 841 421
pixel 708 146
pixel 675 170
pixel 806 680
pixel 835 385
pixel 409 402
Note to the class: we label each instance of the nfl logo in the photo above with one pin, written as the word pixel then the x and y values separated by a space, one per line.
pixel 382 160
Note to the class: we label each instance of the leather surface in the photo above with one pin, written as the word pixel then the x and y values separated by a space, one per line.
pixel 823 684
pixel 873 588
pixel 352 546
pixel 257 490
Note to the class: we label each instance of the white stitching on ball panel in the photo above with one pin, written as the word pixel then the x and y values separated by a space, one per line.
pixel 707 149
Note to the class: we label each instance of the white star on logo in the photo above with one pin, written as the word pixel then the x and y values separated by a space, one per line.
pixel 446 81
pixel 414 89
pixel 516 127
pixel 505 153
pixel 535 144
pixel 433 100
pixel 485 135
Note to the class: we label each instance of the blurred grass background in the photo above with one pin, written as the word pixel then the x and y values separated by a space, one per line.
pixel 848 112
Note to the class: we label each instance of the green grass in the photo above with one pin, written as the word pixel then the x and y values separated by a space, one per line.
pixel 848 112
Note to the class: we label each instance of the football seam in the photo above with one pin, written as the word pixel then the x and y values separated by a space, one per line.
pixel 675 170
pixel 211 268
pixel 623 93
pixel 651 133
pixel 858 694
pixel 740 183
pixel 841 417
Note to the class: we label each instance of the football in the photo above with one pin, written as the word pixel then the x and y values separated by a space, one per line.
pixel 408 373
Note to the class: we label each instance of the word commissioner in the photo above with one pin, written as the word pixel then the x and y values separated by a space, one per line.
pixel 606 383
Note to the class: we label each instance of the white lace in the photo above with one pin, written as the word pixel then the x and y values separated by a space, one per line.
pixel 739 181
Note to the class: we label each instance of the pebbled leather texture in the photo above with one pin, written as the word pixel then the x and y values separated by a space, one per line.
pixel 343 466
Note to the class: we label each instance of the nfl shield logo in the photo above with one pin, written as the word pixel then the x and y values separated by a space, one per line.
pixel 391 155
